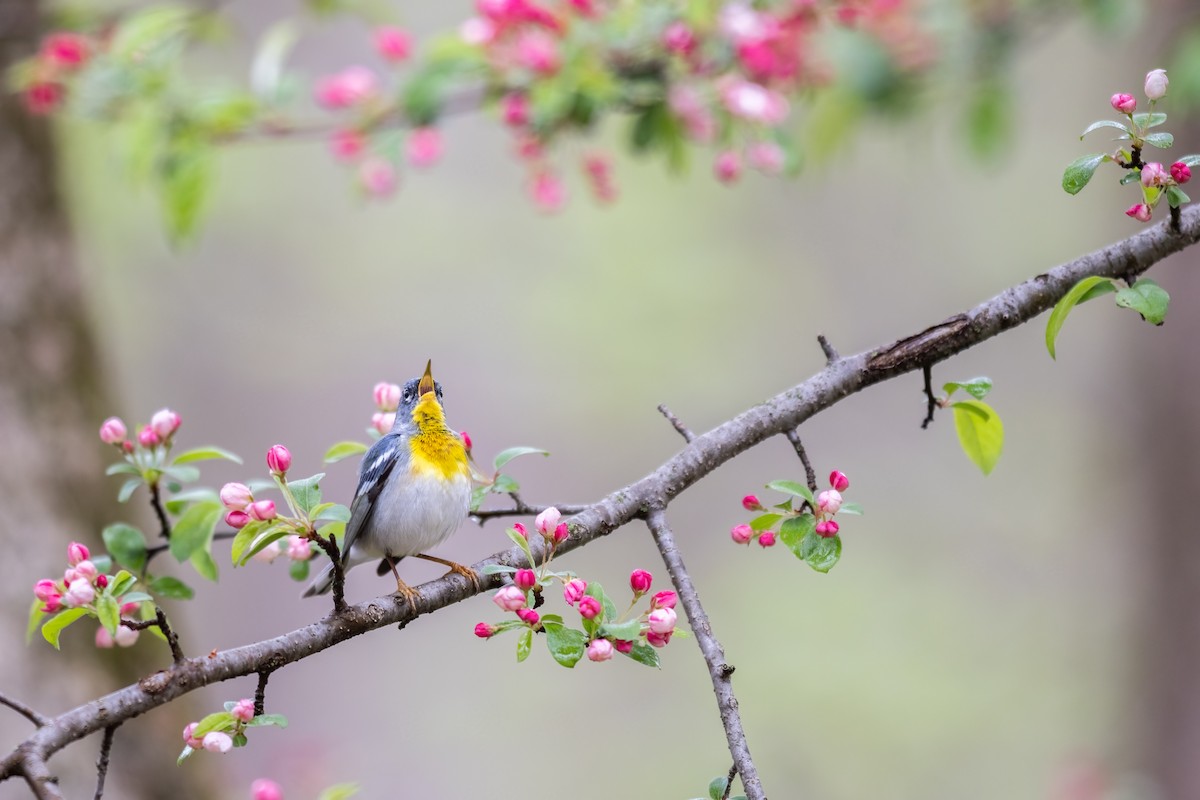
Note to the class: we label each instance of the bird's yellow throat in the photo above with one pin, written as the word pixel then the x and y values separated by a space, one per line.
pixel 435 448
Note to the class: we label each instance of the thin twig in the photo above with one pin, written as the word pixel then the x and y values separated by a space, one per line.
pixel 25 711
pixel 714 654
pixel 160 622
pixel 159 511
pixel 102 763
pixel 831 355
pixel 927 373
pixel 810 476
pixel 675 423
pixel 329 545
pixel 260 692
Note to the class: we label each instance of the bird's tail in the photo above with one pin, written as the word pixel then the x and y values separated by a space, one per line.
pixel 322 584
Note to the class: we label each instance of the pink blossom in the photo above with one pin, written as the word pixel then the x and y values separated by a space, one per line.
pixel 548 192
pixel 387 396
pixel 573 590
pixel 639 581
pixel 269 553
pixel 664 599
pixel 79 593
pixel 264 789
pixel 104 639
pixel 509 598
pixel 1125 103
pixel 382 422
pixel 829 502
pixel 525 579
pixel 243 710
pixel 528 615
pixel 237 519
pixel 217 742
pixel 547 521
pixel 766 157
pixel 742 534
pixel 346 88
pixel 679 39
pixel 347 144
pixel 589 607
pixel 753 102
pixel 623 646
pixel 77 552
pixel 1156 84
pixel 839 481
pixel 188 738
pixel 599 650
pixel 514 107
pixel 751 503
pixel 299 548
pixel 392 43
pixel 827 528
pixel 236 496
pixel 378 177
pixel 727 166
pixel 43 97
pixel 484 631
pixel 538 51
pixel 64 50
pixel 424 146
pixel 279 459
pixel 477 31
pixel 112 431
pixel 519 528
pixel 1181 172
pixel 147 437
pixel 662 620
pixel 766 539
pixel 125 637
pixel 1154 174
pixel 261 510
pixel 1140 212
pixel 165 422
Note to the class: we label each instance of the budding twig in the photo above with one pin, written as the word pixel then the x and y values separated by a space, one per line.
pixel 102 762
pixel 25 711
pixel 675 423
pixel 810 476
pixel 160 622
pixel 927 372
pixel 714 654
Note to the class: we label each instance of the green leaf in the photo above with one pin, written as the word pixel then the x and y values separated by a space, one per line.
pixel 344 450
pixel 193 531
pixel 205 454
pixel 976 387
pixel 126 544
pixel 980 432
pixel 793 488
pixel 1104 123
pixel 644 653
pixel 795 530
pixel 524 645
pixel 508 455
pixel 626 631
pixel 35 619
pixel 1148 120
pixel 1077 175
pixel 58 623
pixel 275 720
pixel 1162 139
pixel 716 789
pixel 821 552
pixel 217 721
pixel 166 586
pixel 764 522
pixel 1063 307
pixel 298 571
pixel 307 492
pixel 202 562
pixel 342 791
pixel 1146 298
pixel 108 612
pixel 567 645
pixel 1176 196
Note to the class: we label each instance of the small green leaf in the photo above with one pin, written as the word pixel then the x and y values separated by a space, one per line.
pixel 307 492
pixel 976 387
pixel 980 433
pixel 1146 298
pixel 821 552
pixel 764 522
pixel 566 645
pixel 1104 123
pixel 166 586
pixel 1177 197
pixel 508 455
pixel 1077 175
pixel 524 645
pixel 1162 139
pixel 793 488
pixel 1063 307
pixel 108 612
pixel 126 544
pixel 128 488
pixel 299 570
pixel 1148 120
pixel 626 631
pixel 795 530
pixel 58 623
pixel 193 531
pixel 344 450
pixel 644 653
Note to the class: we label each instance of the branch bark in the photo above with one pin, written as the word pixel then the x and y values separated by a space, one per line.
pixel 700 457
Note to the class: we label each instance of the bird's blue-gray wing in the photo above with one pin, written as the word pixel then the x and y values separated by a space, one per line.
pixel 373 475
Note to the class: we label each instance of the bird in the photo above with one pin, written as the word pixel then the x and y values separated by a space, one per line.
pixel 414 490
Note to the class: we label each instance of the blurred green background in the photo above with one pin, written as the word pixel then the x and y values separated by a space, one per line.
pixel 979 638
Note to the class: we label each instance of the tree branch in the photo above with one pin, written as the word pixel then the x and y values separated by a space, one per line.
pixel 714 654
pixel 702 456
pixel 25 711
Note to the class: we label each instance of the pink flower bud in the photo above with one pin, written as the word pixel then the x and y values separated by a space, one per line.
pixel 79 593
pixel 147 437
pixel 279 459
pixel 263 789
pixel 64 50
pixel 573 590
pixel 658 639
pixel 1181 172
pixel 126 637
pixel 347 144
pixel 377 176
pixel 839 481
pixel 269 553
pixel 217 742
pixel 261 510
pixel 1156 84
pixel 101 581
pixel 589 607
pixel 387 396
pixel 299 548
pixel 599 650
pixel 525 579
pixel 538 51
pixel 77 552
pixel 666 599
pixel 112 431
pixel 528 615
pixel 623 646
pixel 561 533
pixel 1140 212
pixel 165 422
pixel 766 539
pixel 236 496
pixel 243 710
pixel 766 157
pixel 514 107
pixel 392 43
pixel 742 534
pixel 829 502
pixel 1154 174
pixel 509 598
pixel 548 192
pixel 45 589
pixel 466 440
pixel 827 528
pixel 424 146
pixel 679 39
pixel 190 740
pixel 662 620
pixel 484 631
pixel 237 519
pixel 750 503
pixel 727 166
pixel 104 639
pixel 1125 103
pixel 519 528
pixel 547 521
pixel 87 570
pixel 639 581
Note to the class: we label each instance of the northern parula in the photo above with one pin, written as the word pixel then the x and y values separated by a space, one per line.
pixel 414 490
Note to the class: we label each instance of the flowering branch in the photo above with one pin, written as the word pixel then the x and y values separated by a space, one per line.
pixel 714 654
pixel 699 458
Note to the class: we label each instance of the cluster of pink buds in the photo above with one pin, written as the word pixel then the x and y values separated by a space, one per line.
pixel 80 583
pixel 159 431
pixel 387 400
pixel 61 54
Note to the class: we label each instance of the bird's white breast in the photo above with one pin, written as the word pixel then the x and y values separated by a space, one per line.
pixel 416 511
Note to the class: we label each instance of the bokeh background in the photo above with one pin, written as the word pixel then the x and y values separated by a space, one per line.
pixel 982 637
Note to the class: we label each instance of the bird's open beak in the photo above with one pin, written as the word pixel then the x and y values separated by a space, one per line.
pixel 426 384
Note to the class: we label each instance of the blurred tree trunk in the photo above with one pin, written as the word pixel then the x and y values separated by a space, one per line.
pixel 53 394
